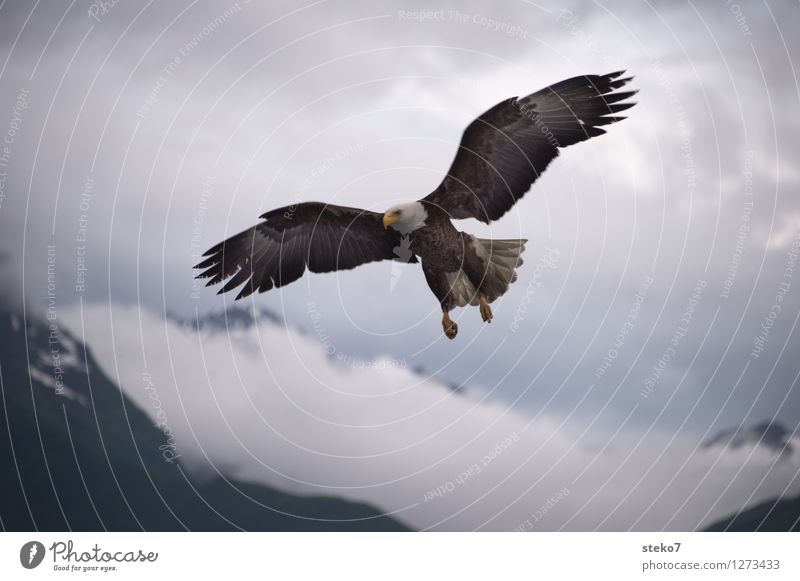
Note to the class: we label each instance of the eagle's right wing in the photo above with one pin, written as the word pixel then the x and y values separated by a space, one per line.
pixel 321 236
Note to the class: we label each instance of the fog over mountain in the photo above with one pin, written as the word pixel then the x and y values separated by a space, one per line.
pixel 268 403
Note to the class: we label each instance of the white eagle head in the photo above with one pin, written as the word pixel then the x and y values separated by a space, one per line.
pixel 406 217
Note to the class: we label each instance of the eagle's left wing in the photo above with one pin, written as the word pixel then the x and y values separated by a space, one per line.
pixel 322 237
pixel 505 150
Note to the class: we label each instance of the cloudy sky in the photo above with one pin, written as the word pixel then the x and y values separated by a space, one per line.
pixel 657 305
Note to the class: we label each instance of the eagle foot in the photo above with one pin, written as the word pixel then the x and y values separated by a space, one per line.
pixel 486 310
pixel 450 327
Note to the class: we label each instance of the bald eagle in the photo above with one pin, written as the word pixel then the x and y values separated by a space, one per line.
pixel 501 154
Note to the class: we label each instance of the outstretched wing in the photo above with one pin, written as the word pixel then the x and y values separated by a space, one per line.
pixel 505 150
pixel 320 236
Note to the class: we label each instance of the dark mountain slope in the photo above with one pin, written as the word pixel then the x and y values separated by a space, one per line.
pixel 77 454
pixel 773 515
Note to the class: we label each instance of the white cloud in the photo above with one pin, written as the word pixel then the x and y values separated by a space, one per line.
pixel 269 404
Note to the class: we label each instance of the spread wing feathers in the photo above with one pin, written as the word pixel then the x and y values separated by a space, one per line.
pixel 505 150
pixel 319 236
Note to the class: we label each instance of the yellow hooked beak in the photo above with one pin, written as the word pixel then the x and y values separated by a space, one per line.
pixel 388 220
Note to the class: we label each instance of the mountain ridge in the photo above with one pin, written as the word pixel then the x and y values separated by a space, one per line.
pixel 770 434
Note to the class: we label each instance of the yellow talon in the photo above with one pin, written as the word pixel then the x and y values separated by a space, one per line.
pixel 486 310
pixel 450 327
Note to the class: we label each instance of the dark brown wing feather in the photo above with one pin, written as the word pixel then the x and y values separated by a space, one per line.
pixel 505 150
pixel 319 236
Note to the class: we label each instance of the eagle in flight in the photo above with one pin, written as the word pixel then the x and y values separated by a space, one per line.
pixel 501 154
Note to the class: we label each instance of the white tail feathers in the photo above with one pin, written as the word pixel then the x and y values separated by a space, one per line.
pixel 501 259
